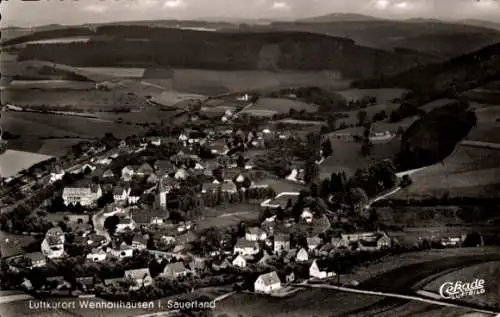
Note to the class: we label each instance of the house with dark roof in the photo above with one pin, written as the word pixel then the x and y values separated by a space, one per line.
pixel 229 188
pixel 267 283
pixel 210 187
pixel 246 248
pixel 164 167
pixel 139 242
pixel 37 259
pixel 255 234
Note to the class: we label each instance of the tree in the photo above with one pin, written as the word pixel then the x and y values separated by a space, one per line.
pixel 366 149
pixel 111 223
pixel 327 148
pixel 311 171
pixel 357 198
pixel 240 162
pixel 361 116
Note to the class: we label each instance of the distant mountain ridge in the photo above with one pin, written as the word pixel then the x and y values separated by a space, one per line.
pixel 338 17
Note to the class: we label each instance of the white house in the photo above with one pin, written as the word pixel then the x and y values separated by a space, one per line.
pixel 255 234
pixel 239 261
pixel 246 248
pixel 85 196
pixel 267 283
pixel 306 215
pixel 321 269
pixel 128 172
pixel 121 193
pixel 175 270
pixel 56 174
pixel 125 224
pixel 123 251
pixel 302 255
pixel 281 243
pixel 96 255
pixel 140 278
pixel 156 141
pixel 53 243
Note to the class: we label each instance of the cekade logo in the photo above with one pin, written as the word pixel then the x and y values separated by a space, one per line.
pixel 450 290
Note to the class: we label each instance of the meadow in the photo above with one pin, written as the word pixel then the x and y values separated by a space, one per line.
pixel 468 171
pixel 11 162
pixel 489 272
pixel 279 105
pixel 51 84
pixel 222 216
pixel 121 72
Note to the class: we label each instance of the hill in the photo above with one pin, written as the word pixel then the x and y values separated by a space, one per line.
pixel 458 74
pixel 481 23
pixel 142 46
pixel 48 33
pixel 388 34
pixel 338 17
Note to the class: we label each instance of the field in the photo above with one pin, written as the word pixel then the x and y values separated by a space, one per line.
pixel 121 72
pixel 224 217
pixel 347 156
pixel 51 84
pixel 469 171
pixel 218 82
pixel 11 245
pixel 11 162
pixel 171 98
pixel 351 116
pixel 428 107
pixel 278 105
pixel 489 93
pixel 489 272
pixel 384 95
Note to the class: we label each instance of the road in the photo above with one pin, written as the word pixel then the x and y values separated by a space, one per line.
pixel 480 144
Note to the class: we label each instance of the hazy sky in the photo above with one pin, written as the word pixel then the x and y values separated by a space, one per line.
pixel 21 13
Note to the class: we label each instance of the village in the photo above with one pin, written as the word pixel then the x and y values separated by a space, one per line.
pixel 131 219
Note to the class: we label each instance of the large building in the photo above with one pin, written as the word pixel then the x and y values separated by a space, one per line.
pixel 86 196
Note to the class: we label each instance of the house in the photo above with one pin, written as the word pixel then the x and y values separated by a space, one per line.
pixel 164 167
pixel 144 170
pixel 84 196
pixel 108 174
pixel 313 243
pixel 281 200
pixel 56 173
pixel 255 234
pixel 181 174
pixel 86 167
pixel 95 240
pixel 306 215
pixel 221 264
pixel 210 187
pixel 228 187
pixel 96 255
pixel 148 216
pixel 302 256
pixel 124 224
pixel 281 243
pixel 135 195
pixel 321 269
pixel 339 243
pixel 175 270
pixel 445 242
pixel 152 178
pixel 121 193
pixel 267 283
pixel 165 186
pixel 37 259
pixel 246 248
pixel 239 261
pixel 104 161
pixel 121 252
pixel 139 242
pixel 140 277
pixel 53 243
pixel 128 172
pixel 156 141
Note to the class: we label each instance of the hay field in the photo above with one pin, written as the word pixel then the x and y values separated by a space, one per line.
pixel 489 272
pixel 469 171
pixel 279 105
pixel 122 72
pixel 11 162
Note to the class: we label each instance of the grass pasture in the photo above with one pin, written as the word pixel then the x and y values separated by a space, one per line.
pixel 428 107
pixel 225 217
pixel 11 162
pixel 488 271
pixel 51 84
pixel 280 105
pixel 351 116
pixel 120 72
pixel 469 172
pixel 171 98
pixel 12 244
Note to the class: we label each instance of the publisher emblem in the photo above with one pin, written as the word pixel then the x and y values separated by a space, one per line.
pixel 459 289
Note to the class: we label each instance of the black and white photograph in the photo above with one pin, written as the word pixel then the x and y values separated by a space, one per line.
pixel 250 158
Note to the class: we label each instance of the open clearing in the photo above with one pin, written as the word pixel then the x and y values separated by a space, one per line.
pixel 279 105
pixel 11 244
pixel 171 98
pixel 228 216
pixel 468 171
pixel 11 162
pixel 51 84
pixel 489 272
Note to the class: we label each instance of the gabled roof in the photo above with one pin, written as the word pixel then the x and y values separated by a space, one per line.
pixel 137 273
pixel 325 265
pixel 138 238
pixel 35 256
pixel 313 240
pixel 228 186
pixel 256 231
pixel 244 243
pixel 281 237
pixel 177 267
pixel 269 278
